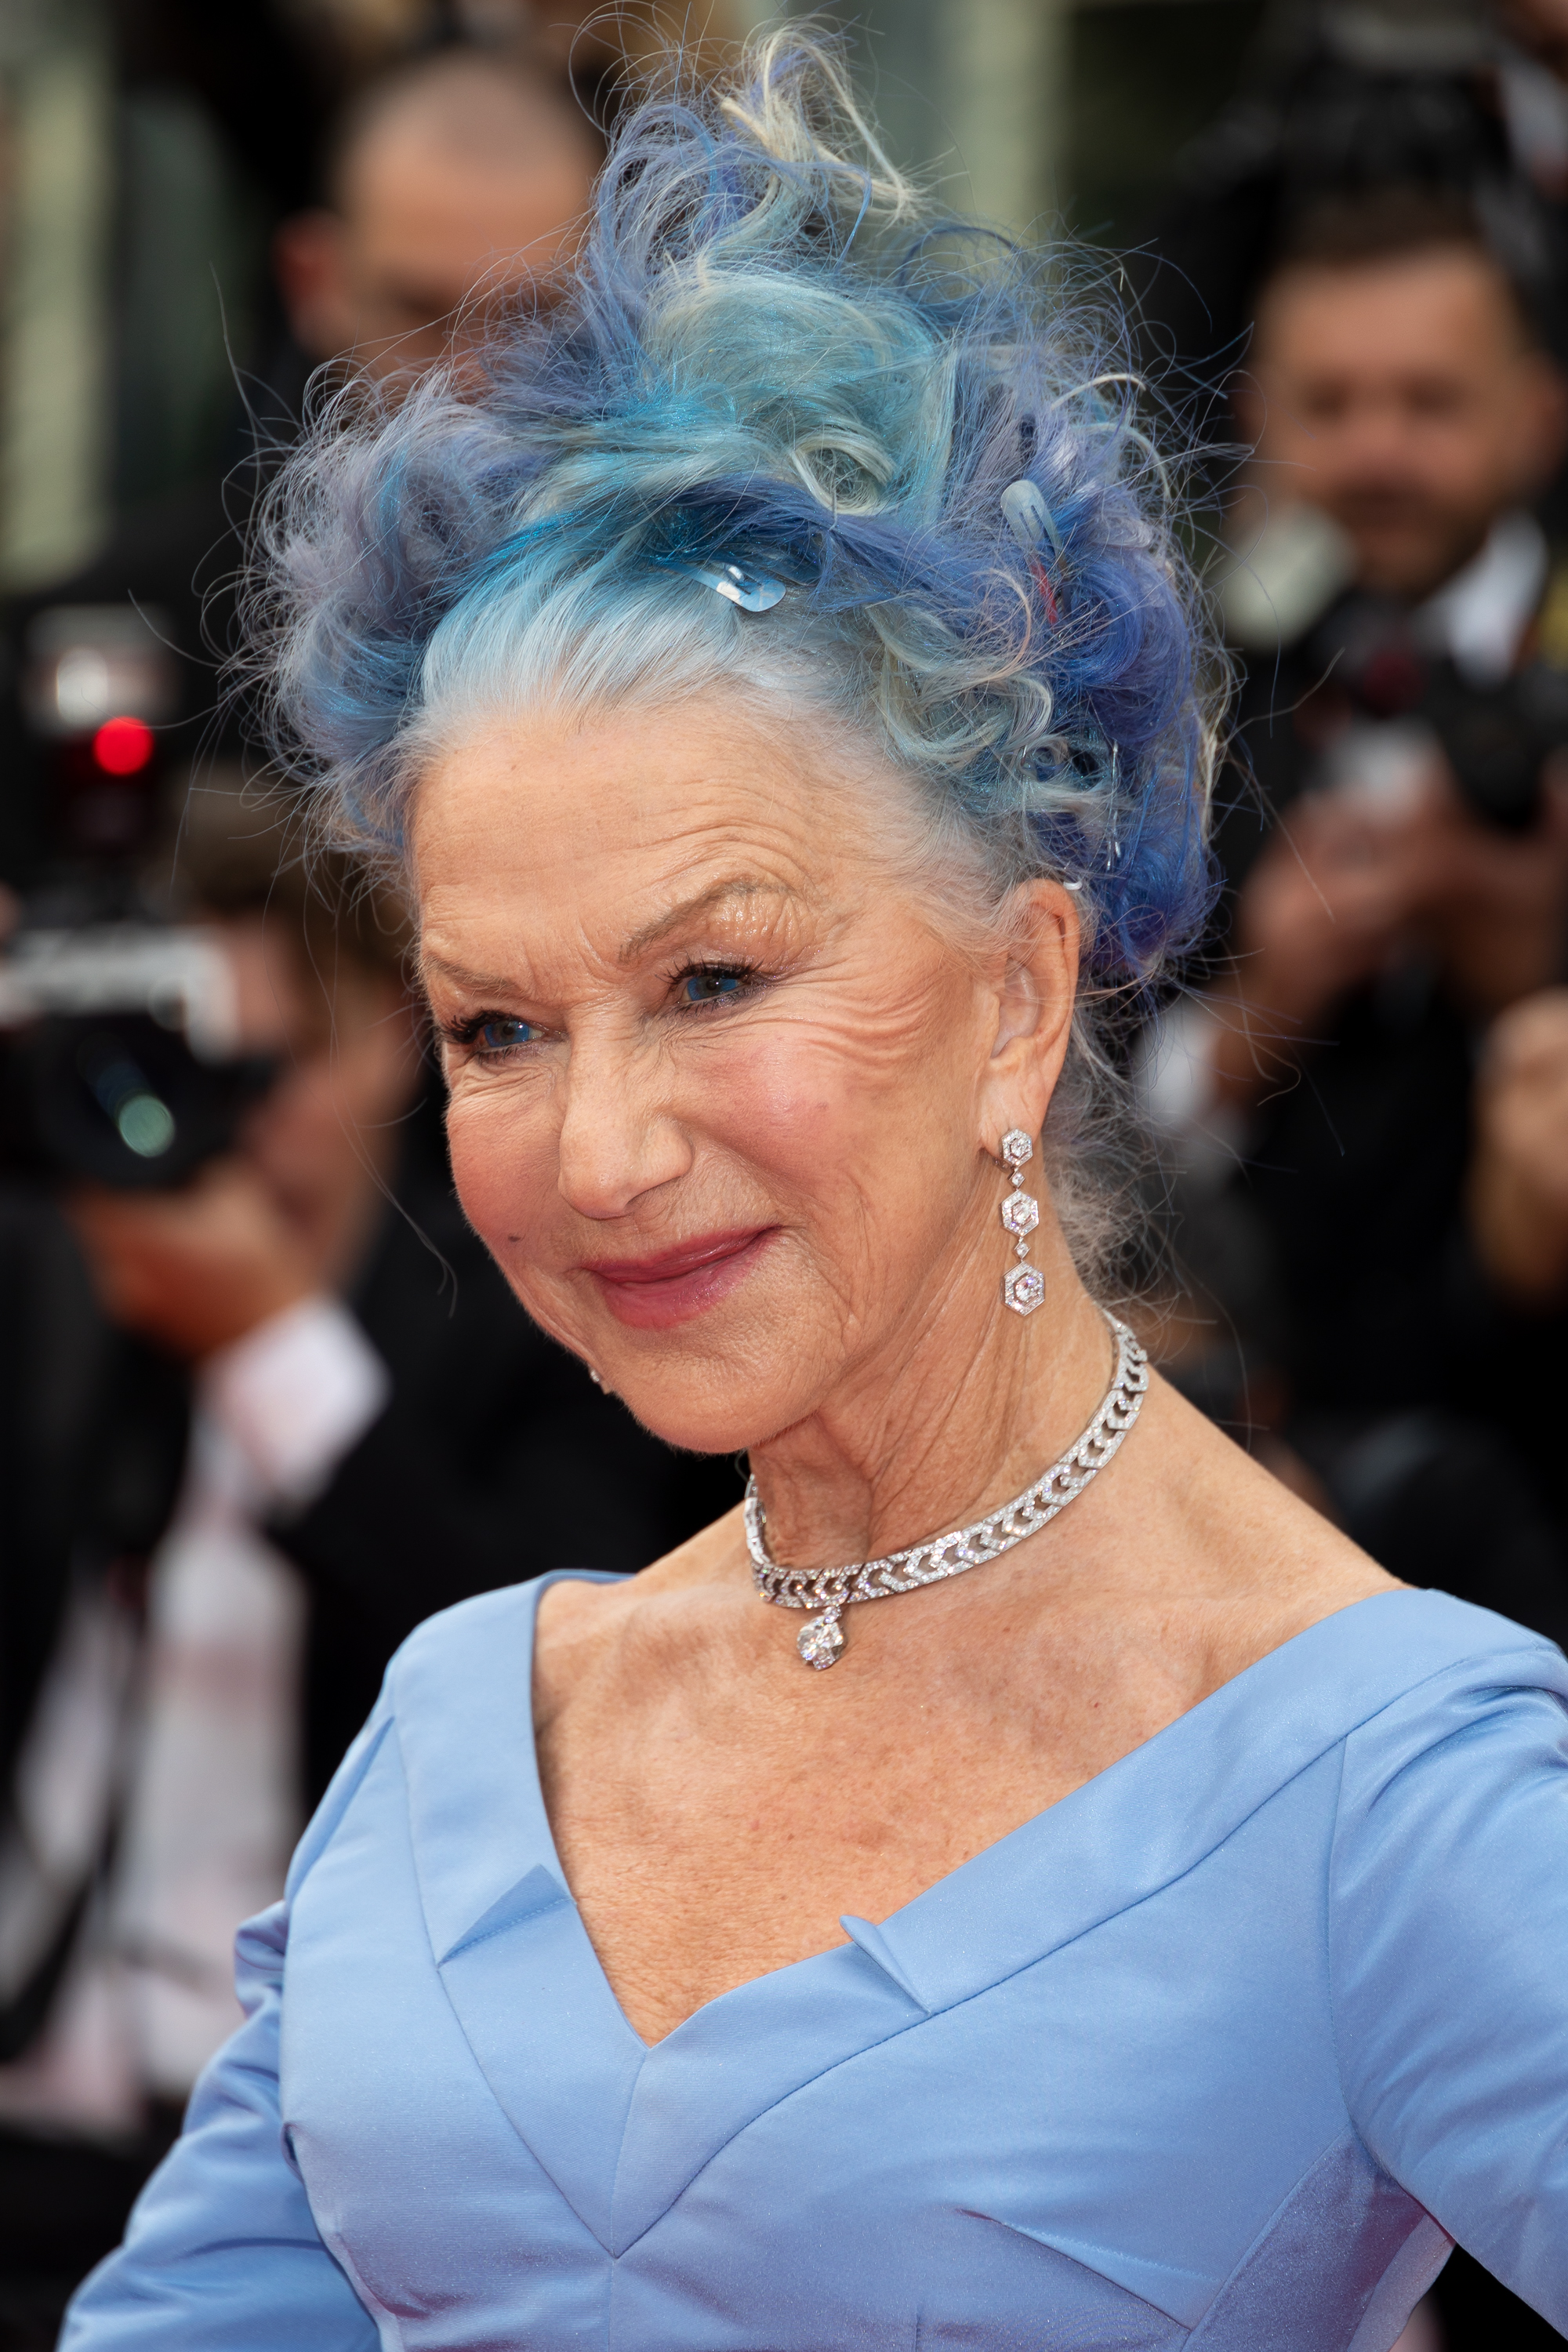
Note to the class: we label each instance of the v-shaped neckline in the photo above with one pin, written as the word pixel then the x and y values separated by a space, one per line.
pixel 869 1937
pixel 621 2125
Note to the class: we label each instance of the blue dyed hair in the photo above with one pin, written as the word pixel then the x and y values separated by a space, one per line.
pixel 773 352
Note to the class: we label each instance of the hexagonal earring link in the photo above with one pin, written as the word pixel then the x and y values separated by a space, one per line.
pixel 1023 1286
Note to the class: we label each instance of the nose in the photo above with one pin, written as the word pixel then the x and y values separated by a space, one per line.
pixel 1376 441
pixel 620 1137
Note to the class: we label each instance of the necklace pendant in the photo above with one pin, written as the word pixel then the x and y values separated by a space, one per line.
pixel 820 1639
pixel 820 1642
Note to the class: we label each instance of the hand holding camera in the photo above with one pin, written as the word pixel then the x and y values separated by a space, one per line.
pixel 197 1268
pixel 1360 874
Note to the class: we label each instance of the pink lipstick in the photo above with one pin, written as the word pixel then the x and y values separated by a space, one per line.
pixel 670 1286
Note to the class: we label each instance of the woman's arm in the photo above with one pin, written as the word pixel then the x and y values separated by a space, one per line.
pixel 222 2253
pixel 1448 1943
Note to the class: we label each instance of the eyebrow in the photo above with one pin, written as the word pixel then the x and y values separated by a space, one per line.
pixel 477 983
pixel 705 902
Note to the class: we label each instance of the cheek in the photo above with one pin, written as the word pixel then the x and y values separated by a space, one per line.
pixel 836 1116
pixel 1314 444
pixel 503 1163
pixel 779 1100
pixel 1465 455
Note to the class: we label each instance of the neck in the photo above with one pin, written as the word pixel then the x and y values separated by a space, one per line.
pixel 961 1411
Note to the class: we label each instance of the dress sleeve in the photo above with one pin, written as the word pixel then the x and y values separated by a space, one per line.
pixel 222 2252
pixel 1448 1959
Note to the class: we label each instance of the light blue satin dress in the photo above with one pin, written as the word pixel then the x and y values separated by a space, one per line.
pixel 1221 2051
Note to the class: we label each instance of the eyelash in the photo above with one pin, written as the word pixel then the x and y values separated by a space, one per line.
pixel 466 1033
pixel 747 978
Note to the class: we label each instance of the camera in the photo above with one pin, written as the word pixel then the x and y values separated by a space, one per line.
pixel 119 1059
pixel 1495 738
pixel 119 1054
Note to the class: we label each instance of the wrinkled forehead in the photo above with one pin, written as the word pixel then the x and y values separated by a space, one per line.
pixel 597 830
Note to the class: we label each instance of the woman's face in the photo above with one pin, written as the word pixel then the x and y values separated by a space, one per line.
pixel 723 1096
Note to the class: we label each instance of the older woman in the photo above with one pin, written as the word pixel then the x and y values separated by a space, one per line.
pixel 1026 1881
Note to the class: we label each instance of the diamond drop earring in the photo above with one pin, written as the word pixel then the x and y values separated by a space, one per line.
pixel 1023 1286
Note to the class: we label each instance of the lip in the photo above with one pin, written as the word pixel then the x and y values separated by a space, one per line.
pixel 670 1286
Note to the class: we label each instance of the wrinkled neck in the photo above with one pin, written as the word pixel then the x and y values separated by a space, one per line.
pixel 962 1409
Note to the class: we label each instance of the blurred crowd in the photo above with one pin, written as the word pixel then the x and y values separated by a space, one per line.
pixel 265 1403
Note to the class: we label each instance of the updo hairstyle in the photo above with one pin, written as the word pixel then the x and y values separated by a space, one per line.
pixel 776 363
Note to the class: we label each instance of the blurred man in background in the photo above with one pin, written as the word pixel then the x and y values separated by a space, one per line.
pixel 239 1465
pixel 450 182
pixel 452 179
pixel 1394 846
pixel 1344 103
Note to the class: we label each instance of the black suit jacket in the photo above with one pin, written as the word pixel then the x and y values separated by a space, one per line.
pixel 496 1459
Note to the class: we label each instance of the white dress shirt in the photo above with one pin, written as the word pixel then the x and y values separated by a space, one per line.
pixel 206 1776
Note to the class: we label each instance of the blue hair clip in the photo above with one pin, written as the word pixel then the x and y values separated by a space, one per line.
pixel 1028 518
pixel 754 592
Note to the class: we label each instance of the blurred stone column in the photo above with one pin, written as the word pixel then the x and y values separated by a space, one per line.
pixel 57 112
pixel 1001 68
pixel 971 90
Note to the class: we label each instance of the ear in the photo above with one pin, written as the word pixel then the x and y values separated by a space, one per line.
pixel 1034 996
pixel 310 264
pixel 1546 434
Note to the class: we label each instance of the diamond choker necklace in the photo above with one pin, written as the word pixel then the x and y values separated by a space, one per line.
pixel 831 1591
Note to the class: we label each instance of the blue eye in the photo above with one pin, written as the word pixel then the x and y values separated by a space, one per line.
pixel 708 987
pixel 502 1031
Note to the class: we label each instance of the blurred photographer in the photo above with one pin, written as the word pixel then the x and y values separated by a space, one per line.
pixel 1454 97
pixel 284 1360
pixel 1365 1102
pixel 462 175
pixel 239 1464
pixel 1395 851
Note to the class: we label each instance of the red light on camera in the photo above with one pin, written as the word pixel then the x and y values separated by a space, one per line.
pixel 122 746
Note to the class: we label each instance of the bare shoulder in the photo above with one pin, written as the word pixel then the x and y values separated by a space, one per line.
pixel 1267 1564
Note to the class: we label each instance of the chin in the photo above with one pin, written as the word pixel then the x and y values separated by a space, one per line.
pixel 722 1383
pixel 704 1410
pixel 714 1356
pixel 1407 569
